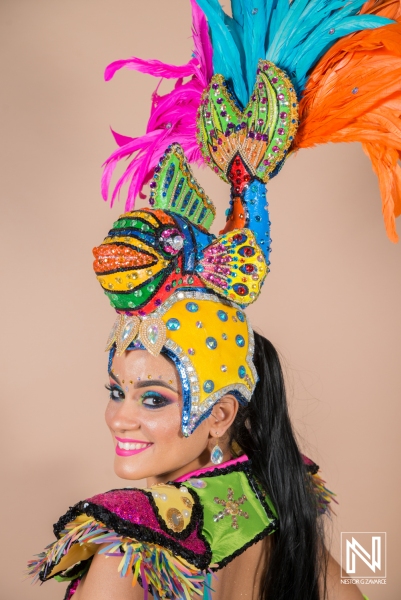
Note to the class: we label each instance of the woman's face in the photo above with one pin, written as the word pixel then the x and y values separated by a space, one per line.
pixel 144 417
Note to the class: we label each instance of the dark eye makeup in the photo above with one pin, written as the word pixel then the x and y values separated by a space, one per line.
pixel 151 399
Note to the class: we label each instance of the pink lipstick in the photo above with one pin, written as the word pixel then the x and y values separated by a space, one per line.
pixel 128 447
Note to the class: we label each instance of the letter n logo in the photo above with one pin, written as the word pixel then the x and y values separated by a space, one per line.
pixel 363 554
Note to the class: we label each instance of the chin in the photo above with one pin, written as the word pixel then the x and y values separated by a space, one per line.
pixel 130 471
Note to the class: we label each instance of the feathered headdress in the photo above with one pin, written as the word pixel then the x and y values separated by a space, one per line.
pixel 273 77
pixel 341 57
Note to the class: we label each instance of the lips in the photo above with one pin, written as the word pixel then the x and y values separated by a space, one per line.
pixel 127 447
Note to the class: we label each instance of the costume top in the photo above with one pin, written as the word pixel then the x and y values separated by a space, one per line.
pixel 172 536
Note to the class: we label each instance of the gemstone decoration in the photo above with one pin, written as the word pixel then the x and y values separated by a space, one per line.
pixel 222 315
pixel 175 519
pixel 127 331
pixel 217 455
pixel 152 333
pixel 211 343
pixel 208 386
pixel 242 371
pixel 173 324
pixel 240 341
pixel 192 307
pixel 197 483
pixel 186 500
pixel 231 508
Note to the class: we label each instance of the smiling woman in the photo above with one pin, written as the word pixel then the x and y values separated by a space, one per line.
pixel 197 406
pixel 144 418
pixel 203 511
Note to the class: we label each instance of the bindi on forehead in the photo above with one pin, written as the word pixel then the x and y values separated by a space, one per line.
pixel 146 381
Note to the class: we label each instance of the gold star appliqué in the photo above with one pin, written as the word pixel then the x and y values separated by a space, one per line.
pixel 232 508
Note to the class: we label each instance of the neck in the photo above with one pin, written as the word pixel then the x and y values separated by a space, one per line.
pixel 194 469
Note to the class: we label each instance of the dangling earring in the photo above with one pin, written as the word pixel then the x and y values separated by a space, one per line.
pixel 217 454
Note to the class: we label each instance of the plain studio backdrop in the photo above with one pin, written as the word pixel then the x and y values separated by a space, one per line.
pixel 330 304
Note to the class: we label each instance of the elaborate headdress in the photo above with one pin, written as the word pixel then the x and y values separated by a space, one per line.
pixel 274 77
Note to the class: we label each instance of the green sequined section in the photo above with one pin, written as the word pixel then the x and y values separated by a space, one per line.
pixel 125 221
pixel 138 297
pixel 175 189
pixel 233 514
pixel 261 134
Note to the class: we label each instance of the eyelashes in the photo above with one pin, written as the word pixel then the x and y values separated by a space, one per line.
pixel 153 400
pixel 116 392
pixel 149 399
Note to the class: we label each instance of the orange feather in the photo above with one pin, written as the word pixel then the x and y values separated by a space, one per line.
pixel 354 95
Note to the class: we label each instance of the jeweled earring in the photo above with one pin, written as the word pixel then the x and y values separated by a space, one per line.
pixel 217 455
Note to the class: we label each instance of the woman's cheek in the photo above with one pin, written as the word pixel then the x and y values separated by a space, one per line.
pixel 166 425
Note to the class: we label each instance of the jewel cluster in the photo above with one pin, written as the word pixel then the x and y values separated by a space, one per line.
pixel 262 134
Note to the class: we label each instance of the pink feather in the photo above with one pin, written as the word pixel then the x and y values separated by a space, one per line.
pixel 172 116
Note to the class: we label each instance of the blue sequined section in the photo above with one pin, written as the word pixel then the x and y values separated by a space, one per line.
pixel 178 191
pixel 193 208
pixel 258 215
pixel 202 214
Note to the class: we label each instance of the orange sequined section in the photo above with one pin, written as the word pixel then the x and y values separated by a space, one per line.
pixel 111 257
pixel 161 215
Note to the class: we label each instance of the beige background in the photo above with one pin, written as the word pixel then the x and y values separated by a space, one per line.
pixel 330 305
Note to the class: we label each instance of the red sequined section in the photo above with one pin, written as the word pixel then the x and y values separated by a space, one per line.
pixel 134 506
pixel 238 175
pixel 109 257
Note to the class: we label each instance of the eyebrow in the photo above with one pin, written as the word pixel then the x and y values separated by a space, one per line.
pixel 146 383
pixel 154 382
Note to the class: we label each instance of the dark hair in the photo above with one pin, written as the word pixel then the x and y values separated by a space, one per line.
pixel 296 557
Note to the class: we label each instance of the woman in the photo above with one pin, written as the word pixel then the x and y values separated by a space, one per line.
pixel 197 404
pixel 192 393
pixel 151 415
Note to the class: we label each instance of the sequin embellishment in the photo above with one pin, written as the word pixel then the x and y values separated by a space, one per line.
pixel 175 520
pixel 231 508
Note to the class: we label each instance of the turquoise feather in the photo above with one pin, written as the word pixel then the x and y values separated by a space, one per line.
pixel 292 35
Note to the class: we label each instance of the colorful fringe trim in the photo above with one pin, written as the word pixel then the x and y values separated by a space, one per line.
pixel 324 496
pixel 158 569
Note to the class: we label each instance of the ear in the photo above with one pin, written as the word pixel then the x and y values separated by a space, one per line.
pixel 222 416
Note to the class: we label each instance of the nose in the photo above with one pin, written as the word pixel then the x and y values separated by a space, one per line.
pixel 124 416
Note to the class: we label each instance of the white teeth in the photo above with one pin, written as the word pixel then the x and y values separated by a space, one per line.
pixel 131 446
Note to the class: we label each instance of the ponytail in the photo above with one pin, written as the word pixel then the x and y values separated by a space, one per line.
pixel 263 431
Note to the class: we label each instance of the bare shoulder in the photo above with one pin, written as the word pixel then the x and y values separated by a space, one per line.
pixel 335 589
pixel 103 582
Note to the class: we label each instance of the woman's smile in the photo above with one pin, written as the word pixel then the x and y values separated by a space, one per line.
pixel 127 447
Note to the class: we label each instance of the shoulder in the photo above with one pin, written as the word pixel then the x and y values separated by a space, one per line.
pixel 190 527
